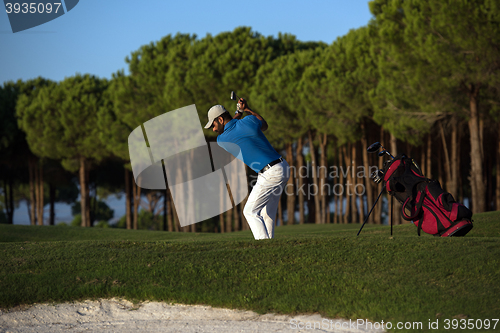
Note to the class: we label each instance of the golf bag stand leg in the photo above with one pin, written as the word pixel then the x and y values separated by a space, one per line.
pixel 383 189
pixel 392 212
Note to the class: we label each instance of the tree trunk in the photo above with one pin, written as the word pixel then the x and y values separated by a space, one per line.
pixel 342 214
pixel 360 189
pixel 289 191
pixel 236 213
pixel 338 206
pixel 52 196
pixel 165 199
pixel 490 205
pixel 31 167
pixel 366 165
pixel 311 210
pixel 378 219
pixel 421 162
pixel 481 133
pixel 354 206
pixel 455 161
pixel 336 197
pixel 279 222
pixel 447 168
pixel 408 149
pixel 244 223
pixel 347 215
pixel 175 218
pixel 40 202
pixel 328 218
pixel 37 193
pixel 460 186
pixel 191 212
pixel 314 163
pixel 229 220
pixel 441 172
pixel 394 152
pixel 128 214
pixel 237 225
pixel 476 178
pixel 498 170
pixel 221 222
pixel 136 190
pixel 169 211
pixel 177 224
pixel 84 193
pixel 394 145
pixel 300 179
pixel 221 209
pixel 378 215
pixel 172 219
pixel 322 178
pixel 428 168
pixel 135 206
pixel 90 218
pixel 378 209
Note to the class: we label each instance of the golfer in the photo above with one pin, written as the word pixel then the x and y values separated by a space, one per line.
pixel 256 152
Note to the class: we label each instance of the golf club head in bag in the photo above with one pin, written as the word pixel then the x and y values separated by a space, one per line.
pixel 378 175
pixel 374 147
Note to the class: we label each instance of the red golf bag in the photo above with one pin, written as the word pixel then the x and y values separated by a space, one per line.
pixel 423 200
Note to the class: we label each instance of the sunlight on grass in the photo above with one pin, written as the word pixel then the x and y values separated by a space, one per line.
pixel 305 269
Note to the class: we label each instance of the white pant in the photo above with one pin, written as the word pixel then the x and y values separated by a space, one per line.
pixel 262 204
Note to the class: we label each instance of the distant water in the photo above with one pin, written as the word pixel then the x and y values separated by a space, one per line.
pixel 63 211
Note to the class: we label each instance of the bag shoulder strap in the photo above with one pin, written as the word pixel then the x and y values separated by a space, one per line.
pixel 418 206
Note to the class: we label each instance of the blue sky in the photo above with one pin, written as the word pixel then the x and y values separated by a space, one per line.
pixel 96 36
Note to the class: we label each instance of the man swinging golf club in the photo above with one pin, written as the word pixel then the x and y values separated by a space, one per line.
pixel 256 152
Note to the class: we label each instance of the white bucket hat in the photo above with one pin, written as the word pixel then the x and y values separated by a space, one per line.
pixel 214 112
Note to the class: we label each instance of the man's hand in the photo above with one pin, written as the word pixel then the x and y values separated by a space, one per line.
pixel 243 106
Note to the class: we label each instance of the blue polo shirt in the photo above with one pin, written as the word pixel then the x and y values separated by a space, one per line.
pixel 252 146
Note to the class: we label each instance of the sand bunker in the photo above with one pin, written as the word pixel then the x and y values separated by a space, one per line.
pixel 118 315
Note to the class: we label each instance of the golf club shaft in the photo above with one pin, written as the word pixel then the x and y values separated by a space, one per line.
pixel 385 151
pixel 392 212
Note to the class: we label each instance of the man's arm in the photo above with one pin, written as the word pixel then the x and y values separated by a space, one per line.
pixel 238 115
pixel 244 107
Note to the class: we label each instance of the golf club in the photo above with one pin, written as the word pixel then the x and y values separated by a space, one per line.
pixel 377 177
pixel 376 146
pixel 234 97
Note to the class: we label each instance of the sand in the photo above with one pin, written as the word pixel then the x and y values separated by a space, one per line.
pixel 118 315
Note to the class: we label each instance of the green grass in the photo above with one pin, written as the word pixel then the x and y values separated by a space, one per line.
pixel 322 269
